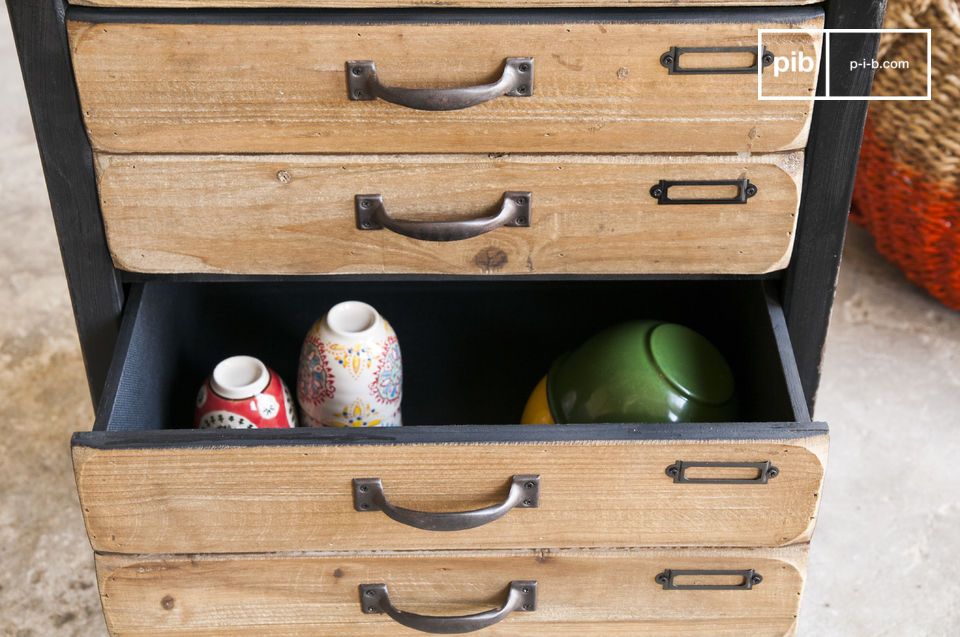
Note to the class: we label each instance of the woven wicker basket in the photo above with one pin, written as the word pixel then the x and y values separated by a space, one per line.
pixel 908 184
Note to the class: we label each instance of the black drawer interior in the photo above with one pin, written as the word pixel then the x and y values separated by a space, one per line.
pixel 472 351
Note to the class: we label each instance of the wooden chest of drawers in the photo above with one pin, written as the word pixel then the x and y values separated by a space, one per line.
pixel 222 171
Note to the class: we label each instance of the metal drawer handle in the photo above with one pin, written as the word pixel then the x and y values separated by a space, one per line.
pixel 671 60
pixel 514 213
pixel 515 81
pixel 765 471
pixel 745 190
pixel 368 495
pixel 521 597
pixel 748 579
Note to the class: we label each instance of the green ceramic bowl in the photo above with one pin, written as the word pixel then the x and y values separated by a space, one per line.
pixel 642 371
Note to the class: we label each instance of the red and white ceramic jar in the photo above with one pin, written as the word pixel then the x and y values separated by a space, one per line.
pixel 351 374
pixel 243 393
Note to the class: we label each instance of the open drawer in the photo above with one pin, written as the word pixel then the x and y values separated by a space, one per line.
pixel 472 353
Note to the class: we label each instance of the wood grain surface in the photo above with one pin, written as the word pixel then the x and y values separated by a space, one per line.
pixel 274 88
pixel 590 214
pixel 599 494
pixel 580 593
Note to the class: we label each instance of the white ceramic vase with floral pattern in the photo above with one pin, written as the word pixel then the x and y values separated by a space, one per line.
pixel 350 373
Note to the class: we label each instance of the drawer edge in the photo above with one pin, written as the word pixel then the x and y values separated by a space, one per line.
pixel 152 12
pixel 447 434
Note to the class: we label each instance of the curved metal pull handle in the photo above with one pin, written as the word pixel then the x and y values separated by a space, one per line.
pixel 514 213
pixel 368 496
pixel 515 81
pixel 521 597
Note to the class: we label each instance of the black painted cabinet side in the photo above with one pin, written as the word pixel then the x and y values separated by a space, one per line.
pixel 829 171
pixel 95 291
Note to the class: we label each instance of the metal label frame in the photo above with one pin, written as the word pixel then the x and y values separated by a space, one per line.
pixel 667 579
pixel 765 472
pixel 745 190
pixel 671 60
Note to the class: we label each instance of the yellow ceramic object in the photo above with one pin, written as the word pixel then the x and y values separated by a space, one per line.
pixel 537 411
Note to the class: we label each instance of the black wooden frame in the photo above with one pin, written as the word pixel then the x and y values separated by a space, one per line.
pixel 97 290
pixel 830 167
pixel 40 34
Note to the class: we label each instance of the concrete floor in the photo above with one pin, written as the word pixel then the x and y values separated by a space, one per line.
pixel 887 546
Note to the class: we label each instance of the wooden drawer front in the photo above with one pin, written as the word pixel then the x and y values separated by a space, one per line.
pixel 468 359
pixel 271 85
pixel 245 499
pixel 588 214
pixel 579 594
